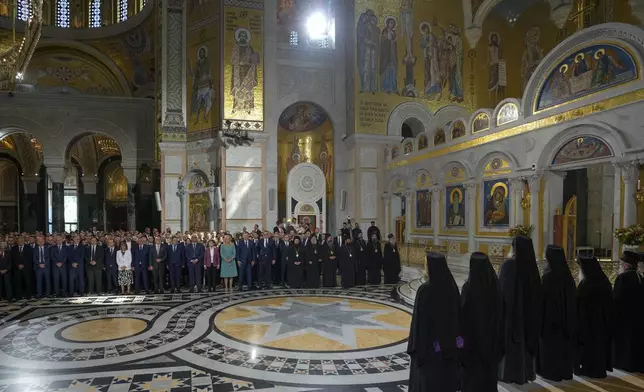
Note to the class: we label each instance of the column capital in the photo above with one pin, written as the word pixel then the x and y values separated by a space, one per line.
pixel 57 173
pixel 535 178
pixel 435 190
pixel 517 181
pixel 630 170
pixel 471 184
pixel 385 197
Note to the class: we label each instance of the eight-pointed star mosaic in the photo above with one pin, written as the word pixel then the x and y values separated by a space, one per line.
pixel 336 320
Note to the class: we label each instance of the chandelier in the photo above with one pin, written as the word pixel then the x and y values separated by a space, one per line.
pixel 14 62
pixel 233 137
pixel 108 146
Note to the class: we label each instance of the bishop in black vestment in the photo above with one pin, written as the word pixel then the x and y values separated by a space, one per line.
pixel 520 284
pixel 557 340
pixel 348 264
pixel 374 257
pixel 628 347
pixel 296 265
pixel 329 263
pixel 594 320
pixel 435 342
pixel 313 261
pixel 391 261
pixel 482 325
pixel 360 249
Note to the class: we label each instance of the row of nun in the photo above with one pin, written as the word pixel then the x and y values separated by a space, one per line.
pixel 518 325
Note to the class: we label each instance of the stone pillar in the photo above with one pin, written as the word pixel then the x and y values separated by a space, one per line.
pixel 173 74
pixel 32 207
pixel 385 200
pixel 517 191
pixel 212 215
pixel 595 175
pixel 408 218
pixel 470 195
pixel 88 209
pixel 130 175
pixel 534 182
pixel 553 200
pixel 57 176
pixel 436 198
pixel 182 195
pixel 630 175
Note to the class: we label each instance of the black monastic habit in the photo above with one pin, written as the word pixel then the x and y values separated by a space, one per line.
pixel 374 257
pixel 313 261
pixel 557 340
pixel 520 284
pixel 482 325
pixel 360 249
pixel 296 267
pixel 348 266
pixel 435 342
pixel 329 265
pixel 391 263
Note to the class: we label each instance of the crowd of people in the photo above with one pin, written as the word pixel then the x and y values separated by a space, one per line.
pixel 95 263
pixel 521 324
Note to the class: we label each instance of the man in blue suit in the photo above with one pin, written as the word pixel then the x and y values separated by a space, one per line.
pixel 42 266
pixel 140 265
pixel 111 269
pixel 266 254
pixel 76 266
pixel 176 261
pixel 194 259
pixel 245 261
pixel 58 255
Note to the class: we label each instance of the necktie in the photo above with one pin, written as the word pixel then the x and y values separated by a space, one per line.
pixel 247 243
pixel 60 248
pixel 41 255
pixel 21 249
pixel 75 246
pixel 265 243
pixel 92 252
pixel 157 249
pixel 174 248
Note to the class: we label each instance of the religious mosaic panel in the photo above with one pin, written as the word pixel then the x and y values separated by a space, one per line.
pixel 244 64
pixel 582 149
pixel 496 203
pixel 423 208
pixel 508 113
pixel 423 179
pixel 591 69
pixel 422 142
pixel 481 122
pixel 455 206
pixel 202 65
pixel 409 148
pixel 439 137
pixel 458 130
pixel 454 174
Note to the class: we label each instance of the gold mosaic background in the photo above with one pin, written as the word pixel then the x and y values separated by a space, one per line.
pixel 235 18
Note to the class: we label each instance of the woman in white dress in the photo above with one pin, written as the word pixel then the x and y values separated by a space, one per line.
pixel 124 262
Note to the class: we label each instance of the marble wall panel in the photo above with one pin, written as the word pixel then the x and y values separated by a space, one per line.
pixel 369 157
pixel 173 164
pixel 243 194
pixel 244 157
pixel 368 192
pixel 171 201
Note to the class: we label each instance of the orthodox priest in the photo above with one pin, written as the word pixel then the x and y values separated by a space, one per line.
pixel 520 283
pixel 313 261
pixel 435 342
pixel 594 320
pixel 374 257
pixel 348 264
pixel 329 262
pixel 296 267
pixel 557 340
pixel 391 261
pixel 482 325
pixel 628 292
pixel 360 249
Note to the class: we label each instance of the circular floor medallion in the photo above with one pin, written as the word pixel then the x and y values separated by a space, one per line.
pixel 310 323
pixel 104 329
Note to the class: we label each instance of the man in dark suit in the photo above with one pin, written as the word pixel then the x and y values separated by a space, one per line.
pixel 5 273
pixel 194 259
pixel 266 258
pixel 94 258
pixel 111 268
pixel 76 267
pixel 42 267
pixel 59 266
pixel 176 261
pixel 140 264
pixel 158 259
pixel 245 261
pixel 22 262
pixel 284 245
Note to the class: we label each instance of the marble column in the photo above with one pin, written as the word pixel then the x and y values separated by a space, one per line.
pixel 408 218
pixel 517 191
pixel 212 215
pixel 57 176
pixel 173 75
pixel 88 208
pixel 470 194
pixel 31 207
pixel 130 175
pixel 534 182
pixel 385 200
pixel 436 198
pixel 630 175
pixel 182 195
pixel 553 200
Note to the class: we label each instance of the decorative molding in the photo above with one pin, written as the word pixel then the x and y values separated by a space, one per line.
pixel 630 170
pixel 473 35
pixel 308 80
pixel 242 4
pixel 363 139
pixel 244 125
pixel 173 70
pixel 172 146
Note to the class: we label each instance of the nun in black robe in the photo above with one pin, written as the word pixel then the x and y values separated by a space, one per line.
pixel 374 261
pixel 557 340
pixel 329 263
pixel 520 284
pixel 348 264
pixel 628 350
pixel 313 261
pixel 296 260
pixel 482 326
pixel 435 343
pixel 391 261
pixel 360 249
pixel 594 320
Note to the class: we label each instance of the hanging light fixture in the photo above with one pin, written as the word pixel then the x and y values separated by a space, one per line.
pixel 233 136
pixel 14 62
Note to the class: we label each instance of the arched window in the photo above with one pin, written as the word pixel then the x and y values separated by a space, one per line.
pixel 95 13
pixel 122 10
pixel 24 9
pixel 62 13
pixel 70 200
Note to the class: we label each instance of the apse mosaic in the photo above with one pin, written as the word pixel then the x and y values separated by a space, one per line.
pixel 582 149
pixel 496 203
pixel 589 70
pixel 302 117
pixel 455 206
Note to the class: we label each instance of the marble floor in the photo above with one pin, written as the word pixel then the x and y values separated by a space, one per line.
pixel 274 340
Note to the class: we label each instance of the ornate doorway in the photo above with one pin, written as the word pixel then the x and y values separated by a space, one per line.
pixel 306 195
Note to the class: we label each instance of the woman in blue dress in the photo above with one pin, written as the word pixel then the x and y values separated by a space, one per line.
pixel 228 270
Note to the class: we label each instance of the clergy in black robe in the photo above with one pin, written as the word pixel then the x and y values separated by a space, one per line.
pixel 360 249
pixel 628 350
pixel 482 325
pixel 557 341
pixel 594 320
pixel 435 342
pixel 520 284
pixel 373 229
pixel 329 263
pixel 296 266
pixel 348 264
pixel 313 261
pixel 374 260
pixel 391 261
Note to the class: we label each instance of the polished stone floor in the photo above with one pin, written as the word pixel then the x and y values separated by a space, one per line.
pixel 276 340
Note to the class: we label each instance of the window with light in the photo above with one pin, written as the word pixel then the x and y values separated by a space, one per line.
pixel 62 13
pixel 95 13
